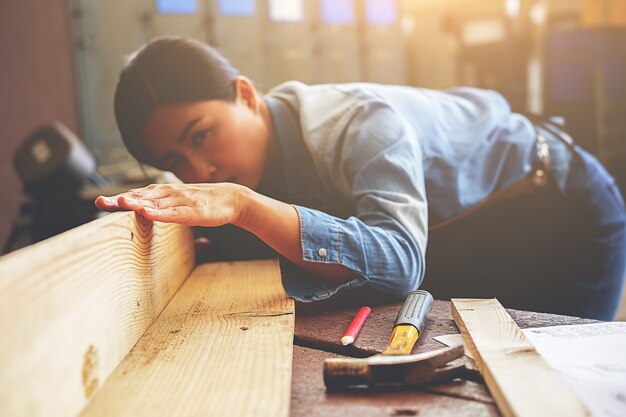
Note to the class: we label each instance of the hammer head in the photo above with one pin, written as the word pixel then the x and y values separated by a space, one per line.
pixel 380 370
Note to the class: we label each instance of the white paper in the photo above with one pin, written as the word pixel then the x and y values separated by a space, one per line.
pixel 591 358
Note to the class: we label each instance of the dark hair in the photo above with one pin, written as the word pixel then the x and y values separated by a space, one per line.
pixel 167 70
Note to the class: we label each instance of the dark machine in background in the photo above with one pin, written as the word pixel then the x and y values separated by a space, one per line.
pixel 586 84
pixel 54 167
pixel 581 56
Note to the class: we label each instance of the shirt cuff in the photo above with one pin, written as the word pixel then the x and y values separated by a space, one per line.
pixel 305 286
pixel 320 240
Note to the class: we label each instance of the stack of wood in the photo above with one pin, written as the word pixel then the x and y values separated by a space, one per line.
pixel 114 318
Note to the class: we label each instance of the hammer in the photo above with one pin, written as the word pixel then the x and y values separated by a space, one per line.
pixel 396 366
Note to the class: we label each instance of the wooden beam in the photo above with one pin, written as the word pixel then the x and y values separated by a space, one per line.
pixel 520 380
pixel 222 347
pixel 73 306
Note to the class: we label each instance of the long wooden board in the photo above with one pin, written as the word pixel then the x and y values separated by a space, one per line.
pixel 520 380
pixel 222 347
pixel 73 306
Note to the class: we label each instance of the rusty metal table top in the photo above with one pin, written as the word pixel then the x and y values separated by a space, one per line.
pixel 318 329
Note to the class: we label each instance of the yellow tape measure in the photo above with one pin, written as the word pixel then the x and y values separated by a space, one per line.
pixel 409 323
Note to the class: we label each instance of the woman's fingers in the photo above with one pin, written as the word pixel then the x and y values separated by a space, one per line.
pixel 208 205
pixel 130 203
pixel 170 210
pixel 156 203
pixel 107 203
pixel 151 191
pixel 177 214
pixel 136 198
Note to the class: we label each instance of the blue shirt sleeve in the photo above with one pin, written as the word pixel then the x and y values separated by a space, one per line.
pixel 376 162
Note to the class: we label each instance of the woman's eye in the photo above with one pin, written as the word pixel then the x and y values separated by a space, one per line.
pixel 175 163
pixel 198 137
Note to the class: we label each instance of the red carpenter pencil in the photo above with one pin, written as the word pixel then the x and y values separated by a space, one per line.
pixel 355 326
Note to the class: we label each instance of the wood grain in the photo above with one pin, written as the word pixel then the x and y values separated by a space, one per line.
pixel 222 347
pixel 73 306
pixel 519 379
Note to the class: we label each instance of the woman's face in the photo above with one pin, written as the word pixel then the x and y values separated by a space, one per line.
pixel 210 141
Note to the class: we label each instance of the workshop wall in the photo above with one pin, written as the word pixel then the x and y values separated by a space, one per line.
pixel 37 84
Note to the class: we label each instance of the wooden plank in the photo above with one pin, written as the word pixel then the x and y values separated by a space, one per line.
pixel 320 324
pixel 222 347
pixel 519 379
pixel 73 306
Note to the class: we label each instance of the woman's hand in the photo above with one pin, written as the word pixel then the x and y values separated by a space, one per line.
pixel 211 205
pixel 189 204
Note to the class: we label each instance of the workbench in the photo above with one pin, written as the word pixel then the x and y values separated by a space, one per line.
pixel 116 318
pixel 318 330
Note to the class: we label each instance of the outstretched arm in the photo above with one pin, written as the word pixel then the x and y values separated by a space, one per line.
pixel 212 205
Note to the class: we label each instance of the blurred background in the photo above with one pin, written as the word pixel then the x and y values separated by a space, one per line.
pixel 60 60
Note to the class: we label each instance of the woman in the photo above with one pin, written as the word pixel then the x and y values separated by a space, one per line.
pixel 343 181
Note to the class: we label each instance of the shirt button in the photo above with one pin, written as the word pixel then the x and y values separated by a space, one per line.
pixel 322 252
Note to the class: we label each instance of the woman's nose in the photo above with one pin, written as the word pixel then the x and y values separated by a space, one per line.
pixel 202 170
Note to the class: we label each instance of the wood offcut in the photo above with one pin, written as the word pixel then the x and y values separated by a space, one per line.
pixel 520 380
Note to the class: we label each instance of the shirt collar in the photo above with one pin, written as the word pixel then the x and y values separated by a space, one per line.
pixel 302 184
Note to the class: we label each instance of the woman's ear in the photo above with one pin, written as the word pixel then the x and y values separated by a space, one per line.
pixel 247 93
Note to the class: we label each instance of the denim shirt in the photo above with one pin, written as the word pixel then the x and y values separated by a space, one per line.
pixel 367 165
